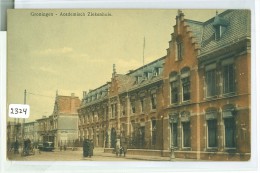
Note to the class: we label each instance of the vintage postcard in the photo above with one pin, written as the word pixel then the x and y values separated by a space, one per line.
pixel 129 85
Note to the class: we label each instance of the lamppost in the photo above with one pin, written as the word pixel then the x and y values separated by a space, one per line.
pixel 162 136
pixel 172 141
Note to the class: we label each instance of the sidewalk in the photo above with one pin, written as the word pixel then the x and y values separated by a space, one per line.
pixel 139 157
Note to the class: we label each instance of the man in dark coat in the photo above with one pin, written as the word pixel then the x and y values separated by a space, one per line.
pixel 91 148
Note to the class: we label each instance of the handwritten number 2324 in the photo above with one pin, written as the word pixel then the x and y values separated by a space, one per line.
pixel 18 111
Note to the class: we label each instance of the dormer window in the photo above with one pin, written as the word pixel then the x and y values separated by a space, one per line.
pixel 220 25
pixel 157 71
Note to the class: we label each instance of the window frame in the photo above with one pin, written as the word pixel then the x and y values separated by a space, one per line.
pixel 133 107
pixel 153 131
pixel 215 131
pixel 142 104
pixel 179 50
pixel 186 134
pixel 226 79
pixel 233 130
pixel 185 82
pixel 153 101
pixel 210 82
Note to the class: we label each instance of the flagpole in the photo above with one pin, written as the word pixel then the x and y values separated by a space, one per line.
pixel 143 50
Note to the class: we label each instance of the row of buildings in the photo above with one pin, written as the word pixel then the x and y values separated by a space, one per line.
pixel 61 127
pixel 195 102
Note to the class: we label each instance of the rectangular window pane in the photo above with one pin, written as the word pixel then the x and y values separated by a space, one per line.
pixel 186 134
pixel 229 132
pixel 153 132
pixel 153 100
pixel 133 107
pixel 211 83
pixel 175 134
pixel 142 105
pixel 228 79
pixel 212 133
pixel 186 88
pixel 179 49
pixel 174 92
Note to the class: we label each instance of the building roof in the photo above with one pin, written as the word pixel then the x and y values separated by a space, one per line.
pixel 237 24
pixel 197 29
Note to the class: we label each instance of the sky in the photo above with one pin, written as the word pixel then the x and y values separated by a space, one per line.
pixel 72 54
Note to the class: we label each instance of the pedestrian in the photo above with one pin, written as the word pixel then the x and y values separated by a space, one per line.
pixel 86 147
pixel 16 147
pixel 91 148
pixel 60 147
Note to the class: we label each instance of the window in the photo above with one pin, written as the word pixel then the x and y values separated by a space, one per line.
pixel 179 51
pixel 113 107
pixel 133 107
pixel 142 104
pixel 211 83
pixel 153 132
pixel 174 128
pixel 219 30
pixel 123 109
pixel 174 84
pixel 185 79
pixel 157 71
pixel 212 133
pixel 186 88
pixel 229 132
pixel 228 79
pixel 148 75
pixel 174 92
pixel 186 134
pixel 153 101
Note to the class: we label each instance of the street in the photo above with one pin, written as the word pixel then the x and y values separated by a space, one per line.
pixel 77 155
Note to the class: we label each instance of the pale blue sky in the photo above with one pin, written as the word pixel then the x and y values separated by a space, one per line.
pixel 75 54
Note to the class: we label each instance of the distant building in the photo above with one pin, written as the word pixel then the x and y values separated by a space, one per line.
pixel 64 120
pixel 12 132
pixel 43 130
pixel 30 131
pixel 193 103
pixel 62 126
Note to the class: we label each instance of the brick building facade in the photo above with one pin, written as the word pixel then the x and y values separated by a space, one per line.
pixel 194 102
pixel 62 126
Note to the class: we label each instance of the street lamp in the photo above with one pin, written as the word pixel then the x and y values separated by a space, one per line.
pixel 162 136
pixel 172 141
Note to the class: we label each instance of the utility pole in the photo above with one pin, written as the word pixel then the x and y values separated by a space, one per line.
pixel 22 127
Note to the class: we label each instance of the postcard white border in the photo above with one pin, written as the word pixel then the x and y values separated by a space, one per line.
pixel 251 166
